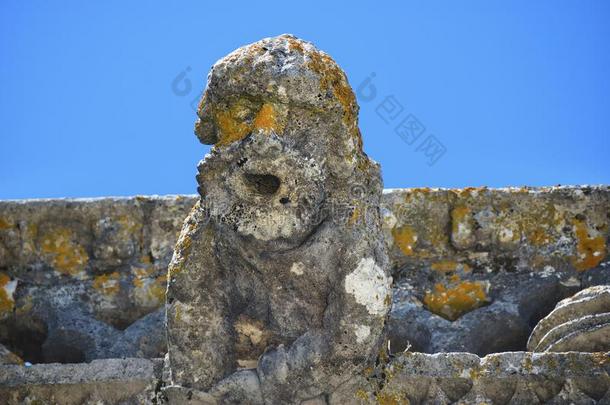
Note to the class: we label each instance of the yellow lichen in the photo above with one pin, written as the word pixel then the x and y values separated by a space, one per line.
pixel 590 250
pixel 539 222
pixel 386 398
pixel 7 303
pixel 107 284
pixel 231 129
pixel 456 300
pixel 601 358
pixel 235 122
pixel 295 45
pixel 4 224
pixel 67 257
pixel 417 190
pixel 331 77
pixel 405 238
pixel 468 191
pixel 362 394
pixel 266 119
pixel 446 266
pixel 458 216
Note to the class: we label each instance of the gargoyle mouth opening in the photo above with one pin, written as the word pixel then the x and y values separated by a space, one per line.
pixel 263 184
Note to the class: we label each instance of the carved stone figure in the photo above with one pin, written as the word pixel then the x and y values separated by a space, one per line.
pixel 279 286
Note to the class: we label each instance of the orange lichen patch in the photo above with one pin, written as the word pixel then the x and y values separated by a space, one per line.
pixel 237 121
pixel 590 250
pixel 446 266
pixel 233 122
pixel 67 257
pixel 295 45
pixel 4 224
pixel 453 302
pixel 7 289
pixel 231 129
pixel 417 193
pixel 107 284
pixel 266 119
pixel 405 238
pixel 468 191
pixel 421 190
pixel 254 50
pixel 331 77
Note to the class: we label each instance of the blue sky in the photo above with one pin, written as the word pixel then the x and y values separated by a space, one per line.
pixel 513 93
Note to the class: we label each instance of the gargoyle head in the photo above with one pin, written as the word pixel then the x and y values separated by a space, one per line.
pixel 283 122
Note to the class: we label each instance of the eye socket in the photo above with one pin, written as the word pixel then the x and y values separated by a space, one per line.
pixel 264 184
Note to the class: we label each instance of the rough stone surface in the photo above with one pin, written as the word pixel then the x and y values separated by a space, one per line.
pixel 80 278
pixel 411 378
pixel 502 378
pixel 112 381
pixel 578 323
pixel 476 269
pixel 521 288
pixel 8 357
pixel 282 264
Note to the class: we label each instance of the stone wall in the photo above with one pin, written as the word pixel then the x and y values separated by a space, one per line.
pixel 412 378
pixel 474 269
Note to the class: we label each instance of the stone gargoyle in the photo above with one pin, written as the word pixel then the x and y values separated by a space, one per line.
pixel 279 286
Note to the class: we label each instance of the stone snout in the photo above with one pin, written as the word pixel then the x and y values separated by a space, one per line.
pixel 270 192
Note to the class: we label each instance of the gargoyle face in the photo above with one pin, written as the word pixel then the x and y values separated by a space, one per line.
pixel 283 121
pixel 261 187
